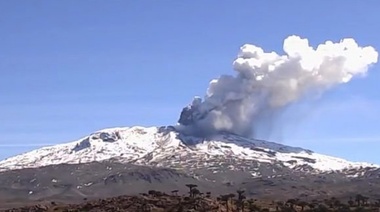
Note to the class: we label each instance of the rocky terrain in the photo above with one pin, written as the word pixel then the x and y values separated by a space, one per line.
pixel 196 200
pixel 72 182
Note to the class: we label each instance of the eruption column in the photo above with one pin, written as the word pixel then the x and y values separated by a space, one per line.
pixel 266 82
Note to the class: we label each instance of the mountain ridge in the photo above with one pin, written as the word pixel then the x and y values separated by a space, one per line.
pixel 166 147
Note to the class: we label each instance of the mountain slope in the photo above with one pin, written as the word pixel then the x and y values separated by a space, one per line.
pixel 165 147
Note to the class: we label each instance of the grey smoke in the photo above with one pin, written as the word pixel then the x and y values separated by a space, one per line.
pixel 267 82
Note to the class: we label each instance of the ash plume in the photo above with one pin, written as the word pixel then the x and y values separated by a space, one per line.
pixel 267 82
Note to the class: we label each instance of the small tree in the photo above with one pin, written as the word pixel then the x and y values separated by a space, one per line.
pixel 175 192
pixel 350 202
pixel 291 202
pixel 252 206
pixel 377 203
pixel 311 206
pixel 195 192
pixel 241 198
pixel 302 204
pixel 337 203
pixel 208 194
pixel 279 205
pixel 191 187
pixel 152 192
pixel 365 200
pixel 145 208
pixel 226 198
pixel 358 199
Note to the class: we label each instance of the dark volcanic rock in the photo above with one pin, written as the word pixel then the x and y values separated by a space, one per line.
pixel 106 179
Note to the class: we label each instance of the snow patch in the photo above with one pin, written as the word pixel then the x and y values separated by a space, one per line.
pixel 154 146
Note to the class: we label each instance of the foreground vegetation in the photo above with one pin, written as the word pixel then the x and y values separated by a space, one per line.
pixel 195 200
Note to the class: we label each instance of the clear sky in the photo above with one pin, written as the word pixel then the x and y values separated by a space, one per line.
pixel 69 68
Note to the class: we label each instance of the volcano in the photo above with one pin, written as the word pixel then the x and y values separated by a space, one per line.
pixel 166 147
pixel 130 160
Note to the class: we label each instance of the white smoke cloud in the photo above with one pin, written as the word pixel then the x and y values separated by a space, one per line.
pixel 267 82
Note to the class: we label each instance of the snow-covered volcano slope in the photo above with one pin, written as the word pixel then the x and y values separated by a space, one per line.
pixel 163 146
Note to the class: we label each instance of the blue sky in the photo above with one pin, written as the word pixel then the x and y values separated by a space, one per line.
pixel 69 68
